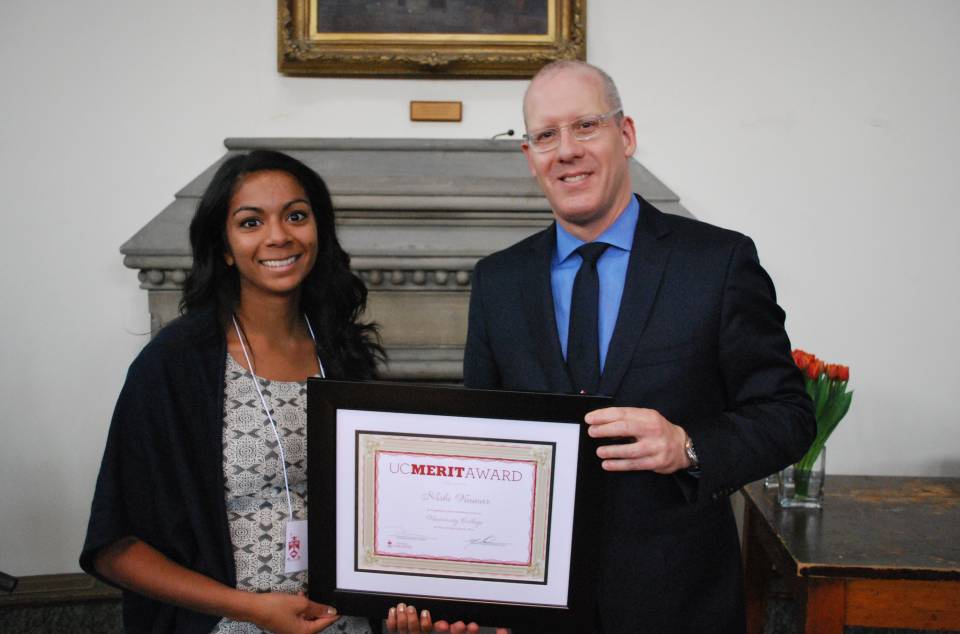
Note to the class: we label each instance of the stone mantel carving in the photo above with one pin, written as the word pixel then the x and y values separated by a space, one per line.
pixel 415 215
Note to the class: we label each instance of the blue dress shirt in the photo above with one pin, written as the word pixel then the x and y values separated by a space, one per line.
pixel 611 269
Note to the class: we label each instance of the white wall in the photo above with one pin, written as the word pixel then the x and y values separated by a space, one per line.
pixel 827 131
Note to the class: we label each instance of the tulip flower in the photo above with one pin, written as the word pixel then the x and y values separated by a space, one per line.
pixel 826 383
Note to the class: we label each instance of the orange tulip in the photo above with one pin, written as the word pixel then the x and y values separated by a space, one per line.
pixel 815 369
pixel 798 358
pixel 803 359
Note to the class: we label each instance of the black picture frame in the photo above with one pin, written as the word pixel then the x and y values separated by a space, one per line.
pixel 327 397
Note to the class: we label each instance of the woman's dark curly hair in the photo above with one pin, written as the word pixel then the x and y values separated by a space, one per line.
pixel 332 296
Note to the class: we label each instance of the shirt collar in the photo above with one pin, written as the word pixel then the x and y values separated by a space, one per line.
pixel 619 234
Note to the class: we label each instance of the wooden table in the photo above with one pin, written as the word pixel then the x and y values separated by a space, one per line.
pixel 883 552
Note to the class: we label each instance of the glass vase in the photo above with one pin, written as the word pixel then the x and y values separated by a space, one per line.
pixel 772 481
pixel 801 487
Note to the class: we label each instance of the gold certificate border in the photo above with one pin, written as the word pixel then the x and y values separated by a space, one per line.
pixel 542 454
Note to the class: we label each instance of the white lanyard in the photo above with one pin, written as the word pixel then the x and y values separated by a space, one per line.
pixel 263 400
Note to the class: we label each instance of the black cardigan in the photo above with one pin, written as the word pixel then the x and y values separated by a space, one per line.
pixel 161 479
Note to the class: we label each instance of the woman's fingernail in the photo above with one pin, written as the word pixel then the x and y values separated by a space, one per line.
pixel 393 611
pixel 331 610
pixel 425 614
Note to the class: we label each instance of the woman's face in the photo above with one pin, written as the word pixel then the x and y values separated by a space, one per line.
pixel 271 234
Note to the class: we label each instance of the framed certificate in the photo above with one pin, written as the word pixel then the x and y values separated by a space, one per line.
pixel 477 505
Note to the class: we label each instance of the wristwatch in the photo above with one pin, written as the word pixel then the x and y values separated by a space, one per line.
pixel 691 453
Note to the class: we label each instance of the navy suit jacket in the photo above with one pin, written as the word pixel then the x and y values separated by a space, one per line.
pixel 699 338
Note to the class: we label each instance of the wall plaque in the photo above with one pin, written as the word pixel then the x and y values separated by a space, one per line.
pixel 436 111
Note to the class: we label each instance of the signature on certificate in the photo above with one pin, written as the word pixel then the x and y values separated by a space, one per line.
pixel 489 540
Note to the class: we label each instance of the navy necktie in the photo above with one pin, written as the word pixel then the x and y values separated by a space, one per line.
pixel 583 339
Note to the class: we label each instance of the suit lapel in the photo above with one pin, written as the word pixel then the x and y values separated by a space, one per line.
pixel 539 313
pixel 648 258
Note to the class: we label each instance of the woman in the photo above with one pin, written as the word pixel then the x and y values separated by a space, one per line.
pixel 205 465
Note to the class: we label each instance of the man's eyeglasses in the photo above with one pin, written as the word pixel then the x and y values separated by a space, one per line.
pixel 583 129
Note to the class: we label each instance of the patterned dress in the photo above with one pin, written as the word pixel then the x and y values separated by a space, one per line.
pixel 254 490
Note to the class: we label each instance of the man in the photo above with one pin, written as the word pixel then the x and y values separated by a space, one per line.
pixel 676 320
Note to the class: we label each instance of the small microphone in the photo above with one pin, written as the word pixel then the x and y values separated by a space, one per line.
pixel 507 133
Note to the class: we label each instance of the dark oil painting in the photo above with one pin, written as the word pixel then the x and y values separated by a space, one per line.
pixel 468 17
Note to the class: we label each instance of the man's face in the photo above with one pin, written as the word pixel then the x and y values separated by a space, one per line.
pixel 587 182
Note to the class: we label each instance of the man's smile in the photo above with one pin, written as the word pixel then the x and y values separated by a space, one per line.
pixel 574 178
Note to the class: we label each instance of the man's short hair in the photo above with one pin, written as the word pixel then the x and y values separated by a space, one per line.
pixel 610 93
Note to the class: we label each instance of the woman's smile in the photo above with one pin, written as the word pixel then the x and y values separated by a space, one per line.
pixel 279 264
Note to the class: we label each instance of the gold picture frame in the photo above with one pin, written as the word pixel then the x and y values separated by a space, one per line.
pixel 480 38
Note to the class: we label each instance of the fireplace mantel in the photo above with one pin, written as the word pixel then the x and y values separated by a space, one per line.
pixel 415 215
